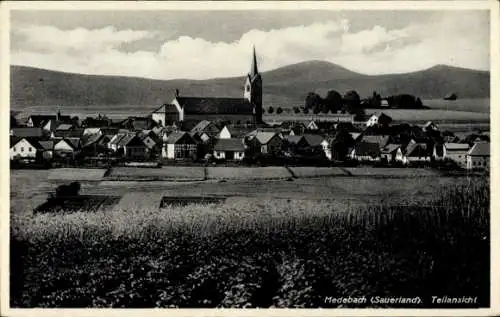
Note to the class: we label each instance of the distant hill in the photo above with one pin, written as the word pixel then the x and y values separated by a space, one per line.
pixel 286 86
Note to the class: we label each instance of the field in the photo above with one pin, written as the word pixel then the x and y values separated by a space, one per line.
pixel 152 174
pixel 261 251
pixel 249 173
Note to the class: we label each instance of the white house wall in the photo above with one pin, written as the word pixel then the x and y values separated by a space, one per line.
pixel 25 146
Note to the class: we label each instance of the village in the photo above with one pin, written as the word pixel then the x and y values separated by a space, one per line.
pixel 208 130
pixel 58 140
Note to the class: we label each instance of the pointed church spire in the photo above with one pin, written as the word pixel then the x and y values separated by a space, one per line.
pixel 254 70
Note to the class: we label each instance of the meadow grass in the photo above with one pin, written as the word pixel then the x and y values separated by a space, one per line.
pixel 163 173
pixel 272 253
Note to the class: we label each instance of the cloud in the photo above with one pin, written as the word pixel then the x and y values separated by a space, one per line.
pixel 454 39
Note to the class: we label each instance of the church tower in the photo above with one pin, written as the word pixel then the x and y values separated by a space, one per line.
pixel 253 89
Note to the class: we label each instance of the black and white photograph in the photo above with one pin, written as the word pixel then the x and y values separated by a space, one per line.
pixel 250 155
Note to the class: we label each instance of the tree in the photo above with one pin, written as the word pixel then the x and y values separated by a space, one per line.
pixel 352 101
pixel 333 101
pixel 306 110
pixel 313 100
pixel 375 100
pixel 296 109
pixel 418 103
pixel 279 110
pixel 270 110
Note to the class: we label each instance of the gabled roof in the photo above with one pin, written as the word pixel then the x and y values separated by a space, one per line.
pixel 72 142
pixel 116 138
pixel 367 149
pixel 64 127
pixel 229 145
pixel 206 105
pixel 27 132
pixel 176 137
pixel 265 137
pixel 91 139
pixel 294 139
pixel 456 146
pixel 313 139
pixel 389 148
pixel 166 108
pixel 75 142
pixel 379 139
pixel 75 133
pixel 47 145
pixel 417 150
pixel 34 141
pixel 127 138
pixel 202 125
pixel 480 149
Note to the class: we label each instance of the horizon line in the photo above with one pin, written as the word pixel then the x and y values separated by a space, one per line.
pixel 270 70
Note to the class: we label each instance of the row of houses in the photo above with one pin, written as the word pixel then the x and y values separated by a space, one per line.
pixel 136 139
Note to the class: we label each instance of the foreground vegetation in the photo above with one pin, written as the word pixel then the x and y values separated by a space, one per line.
pixel 280 253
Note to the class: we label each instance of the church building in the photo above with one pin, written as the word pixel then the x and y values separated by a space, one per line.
pixel 236 110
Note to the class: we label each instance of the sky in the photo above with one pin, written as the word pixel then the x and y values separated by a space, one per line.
pixel 207 44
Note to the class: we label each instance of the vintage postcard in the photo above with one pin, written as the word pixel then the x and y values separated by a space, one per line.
pixel 240 158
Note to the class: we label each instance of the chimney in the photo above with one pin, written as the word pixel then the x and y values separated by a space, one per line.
pixel 58 115
pixel 177 93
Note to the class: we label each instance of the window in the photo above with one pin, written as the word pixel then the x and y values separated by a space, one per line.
pixel 29 149
pixel 22 149
pixel 15 149
pixel 247 88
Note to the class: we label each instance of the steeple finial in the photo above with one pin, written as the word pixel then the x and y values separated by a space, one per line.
pixel 254 70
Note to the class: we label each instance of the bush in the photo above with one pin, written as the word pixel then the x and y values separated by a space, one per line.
pixel 73 189
pixel 270 110
pixel 279 110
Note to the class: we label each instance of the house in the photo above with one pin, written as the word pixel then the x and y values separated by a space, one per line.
pixel 429 125
pixel 113 142
pixel 224 133
pixel 416 152
pixel 180 145
pixel 91 145
pixel 137 123
pixel 326 146
pixel 478 156
pixel 293 144
pixel 33 132
pixel 165 115
pixel 384 103
pixel 364 151
pixel 456 152
pixel 236 110
pixel 392 153
pixel 378 119
pixel 132 147
pixel 229 149
pixel 40 121
pixel 312 126
pixel 67 147
pixel 25 148
pixel 267 142
pixel 129 145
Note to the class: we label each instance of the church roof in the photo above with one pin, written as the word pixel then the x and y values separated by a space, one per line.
pixel 254 70
pixel 210 105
